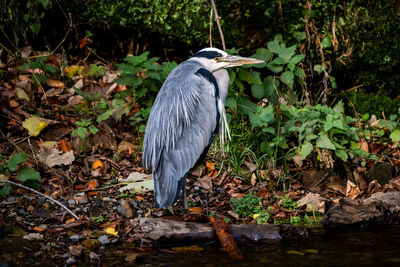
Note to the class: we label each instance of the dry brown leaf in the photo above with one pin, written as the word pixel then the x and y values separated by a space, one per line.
pixel 126 146
pixel 196 209
pixel 13 103
pixel 55 83
pixel 64 146
pixel 253 179
pixel 92 184
pixel 54 157
pixel 204 182
pixel 352 190
pixel 364 145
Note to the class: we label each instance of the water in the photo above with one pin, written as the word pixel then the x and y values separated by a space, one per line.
pixel 371 246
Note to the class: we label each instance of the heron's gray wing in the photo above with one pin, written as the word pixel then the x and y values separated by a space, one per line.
pixel 180 125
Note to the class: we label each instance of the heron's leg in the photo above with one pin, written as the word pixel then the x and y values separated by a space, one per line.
pixel 185 202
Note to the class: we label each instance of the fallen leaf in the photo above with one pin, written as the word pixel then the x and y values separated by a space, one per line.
pixel 92 184
pixel 111 231
pixel 138 182
pixel 253 179
pixel 313 202
pixel 210 166
pixel 130 257
pixel 204 182
pixel 13 103
pixel 74 70
pixel 294 252
pixel 69 220
pixel 352 190
pixel 84 42
pixel 196 209
pixel 38 229
pixel 97 164
pixel 126 146
pixel 64 146
pixel 226 239
pixel 33 125
pixel 188 248
pixel 21 94
pixel 54 83
pixel 54 157
pixel 364 145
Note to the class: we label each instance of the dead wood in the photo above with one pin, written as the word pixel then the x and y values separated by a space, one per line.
pixel 160 231
pixel 379 208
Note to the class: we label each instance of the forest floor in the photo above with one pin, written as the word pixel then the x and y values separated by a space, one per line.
pixel 90 177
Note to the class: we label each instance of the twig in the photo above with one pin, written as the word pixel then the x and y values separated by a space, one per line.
pixel 210 36
pixel 8 50
pixel 43 195
pixel 41 87
pixel 217 18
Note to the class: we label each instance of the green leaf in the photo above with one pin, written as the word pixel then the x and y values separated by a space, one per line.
pixel 326 42
pixel 270 86
pixel 395 135
pixel 104 116
pixel 274 68
pixel 93 130
pixel 288 78
pixel 333 82
pixel 15 160
pixel 25 174
pixel 263 54
pixel 319 68
pixel 341 154
pixel 246 106
pixel 5 190
pixel 257 91
pixel 255 78
pixel 230 102
pixel 323 141
pixel 80 131
pixel 267 114
pixel 267 147
pixel 244 75
pixel 279 61
pixel 299 72
pixel 296 59
pixel 306 149
pixel 287 53
pixel 274 46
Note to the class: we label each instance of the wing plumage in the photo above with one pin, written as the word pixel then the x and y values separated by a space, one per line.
pixel 179 129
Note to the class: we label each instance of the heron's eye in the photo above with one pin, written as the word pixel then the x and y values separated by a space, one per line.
pixel 216 59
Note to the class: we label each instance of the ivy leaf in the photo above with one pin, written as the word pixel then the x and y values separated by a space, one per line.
pixel 287 77
pixel 25 174
pixel 230 102
pixel 5 190
pixel 306 150
pixel 319 68
pixel 395 135
pixel 287 53
pixel 245 75
pixel 323 141
pixel 326 42
pixel 80 131
pixel 15 160
pixel 257 91
pixel 274 68
pixel 341 154
pixel 296 59
pixel 263 54
pixel 104 116
pixel 270 85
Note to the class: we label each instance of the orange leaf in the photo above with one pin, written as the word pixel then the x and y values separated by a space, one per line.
pixel 196 209
pixel 97 164
pixel 210 166
pixel 55 83
pixel 364 145
pixel 226 239
pixel 139 197
pixel 38 229
pixel 65 146
pixel 78 187
pixel 69 220
pixel 84 42
pixel 92 184
pixel 93 193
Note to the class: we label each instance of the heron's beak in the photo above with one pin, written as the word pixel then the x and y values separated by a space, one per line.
pixel 234 61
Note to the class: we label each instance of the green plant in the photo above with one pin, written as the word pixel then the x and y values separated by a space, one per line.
pixel 27 175
pixel 251 206
pixel 39 68
pixel 83 127
pixel 98 219
pixel 295 220
pixel 287 202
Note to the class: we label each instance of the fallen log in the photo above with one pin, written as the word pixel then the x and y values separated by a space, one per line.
pixel 151 231
pixel 382 208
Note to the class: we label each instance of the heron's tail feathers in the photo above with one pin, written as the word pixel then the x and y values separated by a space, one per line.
pixel 224 129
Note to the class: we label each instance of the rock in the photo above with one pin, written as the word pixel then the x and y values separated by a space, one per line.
pixel 125 210
pixel 22 212
pixel 70 261
pixel 91 244
pixel 81 198
pixel 33 237
pixel 76 250
pixel 93 256
pixel 382 172
pixel 41 212
pixel 71 202
pixel 43 226
pixel 103 239
pixel 313 202
pixel 76 238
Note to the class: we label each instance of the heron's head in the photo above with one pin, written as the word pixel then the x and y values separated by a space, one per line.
pixel 214 59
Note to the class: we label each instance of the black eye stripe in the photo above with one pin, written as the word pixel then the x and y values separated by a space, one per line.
pixel 207 54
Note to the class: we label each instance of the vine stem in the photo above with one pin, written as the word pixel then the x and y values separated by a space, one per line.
pixel 43 195
pixel 217 18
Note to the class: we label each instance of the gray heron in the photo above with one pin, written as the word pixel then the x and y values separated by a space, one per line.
pixel 187 113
